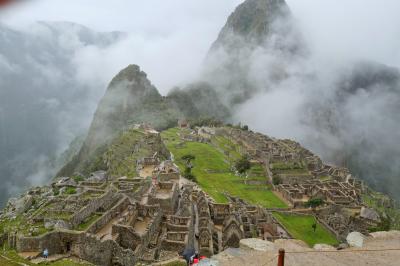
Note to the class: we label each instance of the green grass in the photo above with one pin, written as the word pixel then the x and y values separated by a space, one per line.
pixel 70 190
pixel 212 170
pixel 300 227
pixel 325 178
pixel 88 222
pixel 78 178
pixel 227 146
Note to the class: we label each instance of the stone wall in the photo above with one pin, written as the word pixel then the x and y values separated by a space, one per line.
pixel 137 195
pixel 109 215
pixel 102 253
pixel 127 237
pixel 82 245
pixel 56 242
pixel 178 224
pixel 167 204
pixel 175 241
pixel 168 176
pixel 103 201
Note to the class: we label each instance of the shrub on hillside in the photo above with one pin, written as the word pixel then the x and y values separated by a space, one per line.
pixel 243 164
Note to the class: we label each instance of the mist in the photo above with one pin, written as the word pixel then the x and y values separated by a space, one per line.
pixel 341 97
pixel 57 58
pixel 299 96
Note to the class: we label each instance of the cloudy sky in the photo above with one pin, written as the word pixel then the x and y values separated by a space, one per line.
pixel 170 38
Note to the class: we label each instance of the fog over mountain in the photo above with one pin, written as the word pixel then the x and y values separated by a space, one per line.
pixel 344 109
pixel 44 104
pixel 319 72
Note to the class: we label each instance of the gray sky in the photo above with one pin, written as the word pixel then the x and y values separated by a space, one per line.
pixel 169 39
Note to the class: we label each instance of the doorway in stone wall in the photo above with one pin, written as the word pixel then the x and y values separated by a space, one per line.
pixel 68 247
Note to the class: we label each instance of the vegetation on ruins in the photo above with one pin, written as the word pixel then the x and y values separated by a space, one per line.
pixel 374 200
pixel 276 180
pixel 188 158
pixel 384 225
pixel 314 203
pixel 89 221
pixel 78 178
pixel 70 190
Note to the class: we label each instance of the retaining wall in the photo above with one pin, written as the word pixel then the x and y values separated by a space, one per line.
pixel 91 207
pixel 109 215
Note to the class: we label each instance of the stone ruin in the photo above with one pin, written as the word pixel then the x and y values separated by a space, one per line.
pixel 154 217
pixel 122 221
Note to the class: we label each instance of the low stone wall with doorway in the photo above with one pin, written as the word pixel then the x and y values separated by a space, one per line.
pixel 57 242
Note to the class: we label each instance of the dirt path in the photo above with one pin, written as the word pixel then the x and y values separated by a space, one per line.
pixel 146 171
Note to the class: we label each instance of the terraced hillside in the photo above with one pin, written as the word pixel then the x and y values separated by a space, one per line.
pixel 214 173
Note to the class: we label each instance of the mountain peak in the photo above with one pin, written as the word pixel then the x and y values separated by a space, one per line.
pixel 253 21
pixel 130 73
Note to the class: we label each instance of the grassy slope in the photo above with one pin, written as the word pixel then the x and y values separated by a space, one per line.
pixel 300 227
pixel 210 158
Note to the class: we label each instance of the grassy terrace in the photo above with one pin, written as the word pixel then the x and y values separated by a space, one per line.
pixel 212 170
pixel 88 222
pixel 300 227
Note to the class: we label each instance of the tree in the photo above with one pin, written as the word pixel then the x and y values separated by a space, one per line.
pixel 243 164
pixel 188 158
pixel 188 174
pixel 276 180
pixel 314 203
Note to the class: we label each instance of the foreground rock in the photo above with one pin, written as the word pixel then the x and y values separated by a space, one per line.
pixel 355 239
pixel 256 244
pixel 305 256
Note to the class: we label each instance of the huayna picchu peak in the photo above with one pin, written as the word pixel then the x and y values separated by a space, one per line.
pixel 188 176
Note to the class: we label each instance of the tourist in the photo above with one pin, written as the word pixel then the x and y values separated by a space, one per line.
pixel 45 253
